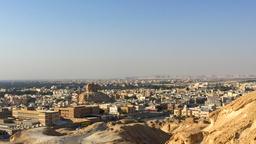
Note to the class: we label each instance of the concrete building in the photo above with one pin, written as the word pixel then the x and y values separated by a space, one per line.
pixel 177 112
pixel 78 111
pixel 46 118
pixel 128 109
pixel 186 112
pixel 5 113
pixel 113 110
pixel 196 112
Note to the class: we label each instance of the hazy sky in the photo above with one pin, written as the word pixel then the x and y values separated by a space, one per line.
pixel 44 39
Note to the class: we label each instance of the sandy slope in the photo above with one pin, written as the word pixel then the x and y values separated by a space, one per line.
pixel 123 132
pixel 235 123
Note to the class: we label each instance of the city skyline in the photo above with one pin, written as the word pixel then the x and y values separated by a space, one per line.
pixel 114 39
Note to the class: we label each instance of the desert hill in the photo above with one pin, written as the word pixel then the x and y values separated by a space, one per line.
pixel 188 131
pixel 121 132
pixel 232 124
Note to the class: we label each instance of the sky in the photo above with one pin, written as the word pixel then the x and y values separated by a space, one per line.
pixel 87 39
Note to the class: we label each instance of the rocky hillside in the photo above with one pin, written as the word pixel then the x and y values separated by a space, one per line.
pixel 121 132
pixel 235 123
pixel 185 132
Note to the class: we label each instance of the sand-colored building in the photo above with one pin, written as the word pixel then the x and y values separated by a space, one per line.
pixel 46 118
pixel 128 109
pixel 78 111
pixel 177 112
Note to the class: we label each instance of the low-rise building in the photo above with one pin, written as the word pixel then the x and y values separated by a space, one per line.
pixel 192 112
pixel 177 112
pixel 78 111
pixel 46 118
pixel 5 113
pixel 128 109
pixel 113 110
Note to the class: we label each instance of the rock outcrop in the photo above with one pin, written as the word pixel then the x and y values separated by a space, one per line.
pixel 91 94
pixel 185 132
pixel 234 123
pixel 121 132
